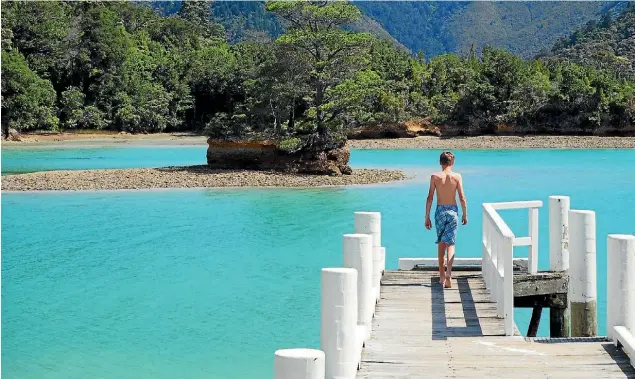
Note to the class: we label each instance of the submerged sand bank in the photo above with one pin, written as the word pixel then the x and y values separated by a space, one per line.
pixel 184 177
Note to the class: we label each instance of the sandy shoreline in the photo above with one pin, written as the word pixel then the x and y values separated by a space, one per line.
pixel 498 142
pixel 79 140
pixel 184 177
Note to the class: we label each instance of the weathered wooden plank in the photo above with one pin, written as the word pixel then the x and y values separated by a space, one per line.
pixel 421 330
pixel 543 283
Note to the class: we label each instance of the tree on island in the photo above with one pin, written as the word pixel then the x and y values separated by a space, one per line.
pixel 316 36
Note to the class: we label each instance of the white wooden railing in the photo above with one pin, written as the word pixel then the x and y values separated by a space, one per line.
pixel 620 302
pixel 498 255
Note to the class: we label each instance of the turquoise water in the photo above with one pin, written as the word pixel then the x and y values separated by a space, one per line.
pixel 17 161
pixel 209 283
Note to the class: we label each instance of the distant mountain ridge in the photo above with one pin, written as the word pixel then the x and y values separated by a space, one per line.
pixel 609 43
pixel 434 27
pixel 523 28
pixel 249 20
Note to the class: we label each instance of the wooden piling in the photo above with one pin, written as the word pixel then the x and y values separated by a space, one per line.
pixel 558 320
pixel 582 273
pixel 534 323
pixel 559 207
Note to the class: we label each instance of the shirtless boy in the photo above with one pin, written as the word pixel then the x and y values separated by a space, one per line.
pixel 446 217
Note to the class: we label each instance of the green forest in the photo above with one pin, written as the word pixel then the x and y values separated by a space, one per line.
pixel 121 66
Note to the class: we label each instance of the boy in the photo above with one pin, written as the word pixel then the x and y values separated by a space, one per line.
pixel 446 217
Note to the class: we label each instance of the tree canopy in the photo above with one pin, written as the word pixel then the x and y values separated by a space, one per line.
pixel 122 66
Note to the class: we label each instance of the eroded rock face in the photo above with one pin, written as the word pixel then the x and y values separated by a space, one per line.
pixel 13 135
pixel 265 155
pixel 406 129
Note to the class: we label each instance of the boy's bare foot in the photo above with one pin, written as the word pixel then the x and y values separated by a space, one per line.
pixel 441 279
pixel 448 282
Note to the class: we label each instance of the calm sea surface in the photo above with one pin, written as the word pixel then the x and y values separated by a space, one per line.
pixel 204 283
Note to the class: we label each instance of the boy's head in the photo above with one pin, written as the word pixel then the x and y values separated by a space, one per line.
pixel 446 159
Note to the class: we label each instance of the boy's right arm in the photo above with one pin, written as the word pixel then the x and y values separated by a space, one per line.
pixel 429 200
pixel 463 200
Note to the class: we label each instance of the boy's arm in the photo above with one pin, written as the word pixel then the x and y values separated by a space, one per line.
pixel 462 199
pixel 430 198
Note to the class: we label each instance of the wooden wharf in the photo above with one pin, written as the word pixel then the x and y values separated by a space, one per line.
pixel 422 330
pixel 403 323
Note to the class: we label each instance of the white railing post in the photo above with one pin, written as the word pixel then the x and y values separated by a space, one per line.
pixel 382 260
pixel 508 283
pixel 532 257
pixel 485 242
pixel 559 233
pixel 582 274
pixel 620 299
pixel 298 364
pixel 338 329
pixel 496 274
pixel 500 284
pixel 370 223
pixel 358 254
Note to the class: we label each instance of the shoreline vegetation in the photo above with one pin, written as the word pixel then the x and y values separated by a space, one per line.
pixel 122 67
pixel 185 177
pixel 100 139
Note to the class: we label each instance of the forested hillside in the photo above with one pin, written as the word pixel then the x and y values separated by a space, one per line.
pixel 523 28
pixel 609 43
pixel 435 27
pixel 250 21
pixel 119 66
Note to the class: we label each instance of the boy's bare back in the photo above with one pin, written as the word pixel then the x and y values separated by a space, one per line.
pixel 447 185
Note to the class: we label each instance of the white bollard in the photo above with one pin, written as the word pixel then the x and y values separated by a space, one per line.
pixel 582 274
pixel 559 233
pixel 620 288
pixel 338 331
pixel 298 364
pixel 370 223
pixel 358 254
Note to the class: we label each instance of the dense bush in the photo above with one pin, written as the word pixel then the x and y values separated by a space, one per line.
pixel 121 66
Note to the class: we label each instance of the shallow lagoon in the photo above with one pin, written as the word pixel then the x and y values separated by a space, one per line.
pixel 208 283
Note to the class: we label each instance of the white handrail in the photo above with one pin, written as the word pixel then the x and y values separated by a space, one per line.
pixel 620 304
pixel 498 255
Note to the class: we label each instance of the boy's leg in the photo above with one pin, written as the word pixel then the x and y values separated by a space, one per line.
pixel 450 259
pixel 441 247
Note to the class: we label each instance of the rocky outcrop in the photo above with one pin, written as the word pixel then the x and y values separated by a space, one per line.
pixel 13 135
pixel 269 156
pixel 408 129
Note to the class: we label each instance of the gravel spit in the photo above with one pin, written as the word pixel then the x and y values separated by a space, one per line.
pixel 184 177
